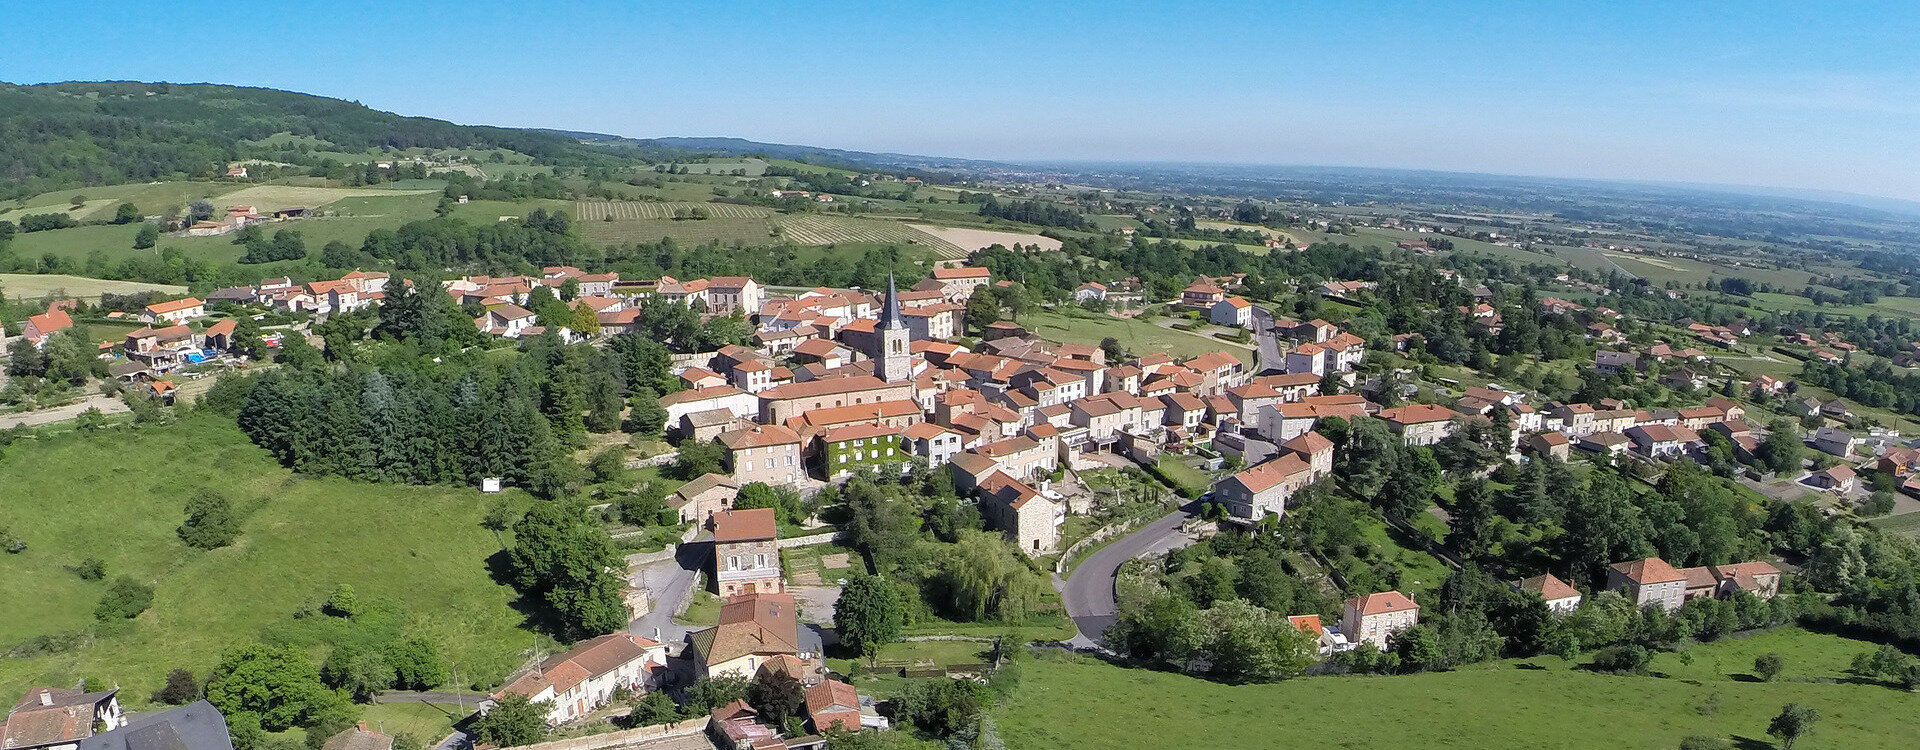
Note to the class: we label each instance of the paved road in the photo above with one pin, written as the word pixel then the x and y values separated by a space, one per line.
pixel 63 413
pixel 1268 357
pixel 669 581
pixel 1088 593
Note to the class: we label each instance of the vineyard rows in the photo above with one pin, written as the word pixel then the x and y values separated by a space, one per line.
pixel 834 230
pixel 636 210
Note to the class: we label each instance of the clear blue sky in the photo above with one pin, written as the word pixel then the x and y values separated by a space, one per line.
pixel 1804 95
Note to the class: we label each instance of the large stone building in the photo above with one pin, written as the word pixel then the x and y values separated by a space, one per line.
pixel 1649 581
pixel 1376 617
pixel 764 453
pixel 753 630
pixel 783 402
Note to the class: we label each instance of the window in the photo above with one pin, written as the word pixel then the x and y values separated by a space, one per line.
pixel 843 458
pixel 733 562
pixel 759 561
pixel 769 463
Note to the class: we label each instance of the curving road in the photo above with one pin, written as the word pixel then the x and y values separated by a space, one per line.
pixel 1088 593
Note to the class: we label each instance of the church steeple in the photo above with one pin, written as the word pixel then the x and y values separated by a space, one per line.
pixel 893 362
pixel 892 318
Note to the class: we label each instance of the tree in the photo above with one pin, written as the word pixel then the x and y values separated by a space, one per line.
pixel 1793 722
pixel 275 683
pixel 125 599
pixel 91 569
pixel 562 556
pixel 417 664
pixel 585 321
pixel 985 579
pixel 179 690
pixel 512 722
pixel 868 613
pixel 982 310
pixel 1111 347
pixel 146 237
pixel 1246 642
pixel 647 416
pixel 696 459
pixel 1472 530
pixel 708 693
pixel 210 522
pixel 126 213
pixel 653 708
pixel 362 674
pixel 1781 452
pixel 776 695
pixel 342 602
pixel 1767 666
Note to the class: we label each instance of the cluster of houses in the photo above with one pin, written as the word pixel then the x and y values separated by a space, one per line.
pixel 241 217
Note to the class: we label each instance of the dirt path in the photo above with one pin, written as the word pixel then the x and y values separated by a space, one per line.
pixel 62 413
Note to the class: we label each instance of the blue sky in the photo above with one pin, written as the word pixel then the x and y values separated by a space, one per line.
pixel 1802 95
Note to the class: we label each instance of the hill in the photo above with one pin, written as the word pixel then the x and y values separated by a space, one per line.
pixel 54 136
pixel 419 554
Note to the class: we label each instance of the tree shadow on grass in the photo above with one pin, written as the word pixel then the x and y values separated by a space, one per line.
pixel 1748 743
pixel 537 615
pixel 1744 677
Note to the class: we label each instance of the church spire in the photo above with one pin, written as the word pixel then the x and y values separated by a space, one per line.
pixel 892 318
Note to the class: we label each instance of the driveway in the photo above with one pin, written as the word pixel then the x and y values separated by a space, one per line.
pixel 63 413
pixel 1088 594
pixel 668 582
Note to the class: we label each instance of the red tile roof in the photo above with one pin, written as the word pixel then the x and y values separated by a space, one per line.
pixel 745 525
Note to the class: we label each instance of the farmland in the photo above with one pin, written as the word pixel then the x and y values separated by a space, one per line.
pixel 421 550
pixel 1085 703
pixel 641 210
pixel 975 239
pixel 691 231
pixel 833 230
pixel 151 198
pixel 35 286
pixel 270 198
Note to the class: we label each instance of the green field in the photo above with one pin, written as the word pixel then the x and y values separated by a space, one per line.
pixel 118 495
pixel 1140 337
pixel 1091 704
pixel 23 286
pixel 355 217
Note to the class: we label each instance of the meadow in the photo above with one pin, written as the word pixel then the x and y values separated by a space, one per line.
pixel 1520 704
pixel 1138 336
pixel 119 495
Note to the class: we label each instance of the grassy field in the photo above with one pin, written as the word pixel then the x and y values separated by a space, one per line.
pixel 270 198
pixel 749 231
pixel 151 198
pixel 427 722
pixel 632 210
pixel 118 495
pixel 355 217
pixel 1090 704
pixel 1138 336
pixel 1194 480
pixel 1419 571
pixel 835 230
pixel 22 286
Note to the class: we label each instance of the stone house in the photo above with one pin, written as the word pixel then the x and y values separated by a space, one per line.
pixel 572 684
pixel 746 553
pixel 1028 518
pixel 698 500
pixel 764 453
pixel 1420 424
pixel 1648 581
pixel 1376 617
pixel 753 630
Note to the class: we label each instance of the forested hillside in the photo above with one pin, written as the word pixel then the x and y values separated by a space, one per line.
pixel 71 134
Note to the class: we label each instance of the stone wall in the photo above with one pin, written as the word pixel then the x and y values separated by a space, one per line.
pixel 635 738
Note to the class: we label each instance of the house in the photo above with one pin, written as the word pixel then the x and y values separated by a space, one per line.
pixel 783 402
pixel 1614 362
pixel 1202 295
pixel 1232 311
pixel 746 557
pixel 1028 518
pixel 1092 290
pixel 572 684
pixel 833 704
pixel 1263 489
pixel 727 295
pixel 60 718
pixel 764 453
pixel 1420 424
pixel 1649 581
pixel 507 321
pixel 195 726
pixel 1835 408
pixel 1608 444
pixel 1661 441
pixel 699 399
pixel 1551 444
pixel 1376 617
pixel 1756 577
pixel 851 449
pixel 698 500
pixel 957 284
pixel 1837 442
pixel 937 444
pixel 358 737
pixel 753 629
pixel 39 327
pixel 1839 478
pixel 175 312
pixel 1562 598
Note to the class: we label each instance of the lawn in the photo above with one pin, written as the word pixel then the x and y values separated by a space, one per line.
pixel 1419 571
pixel 1137 336
pixel 1090 704
pixel 1194 480
pixel 118 495
pixel 25 286
pixel 427 722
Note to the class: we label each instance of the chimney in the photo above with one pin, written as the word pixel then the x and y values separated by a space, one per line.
pixel 46 697
pixel 361 724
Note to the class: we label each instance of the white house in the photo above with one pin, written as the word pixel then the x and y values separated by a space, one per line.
pixel 1561 597
pixel 175 312
pixel 575 683
pixel 1232 311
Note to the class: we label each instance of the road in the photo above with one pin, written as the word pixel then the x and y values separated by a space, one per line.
pixel 1088 593
pixel 669 582
pixel 63 413
pixel 1268 357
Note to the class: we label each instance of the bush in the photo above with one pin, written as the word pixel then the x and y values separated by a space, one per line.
pixel 126 599
pixel 180 689
pixel 342 602
pixel 210 522
pixel 1704 742
pixel 1620 660
pixel 91 569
